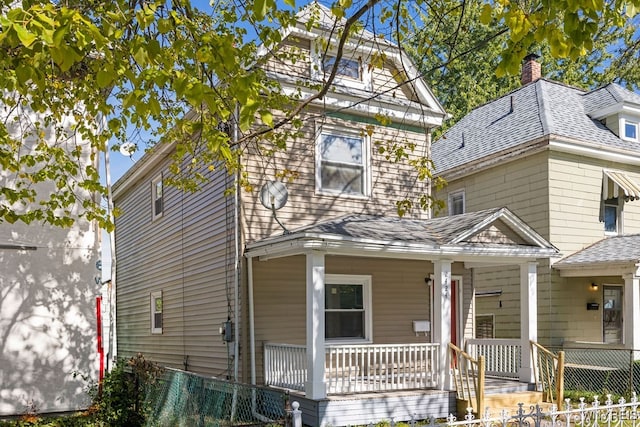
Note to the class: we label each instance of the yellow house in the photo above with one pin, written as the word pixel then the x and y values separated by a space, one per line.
pixel 565 161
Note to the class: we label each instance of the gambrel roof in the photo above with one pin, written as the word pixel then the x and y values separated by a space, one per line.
pixel 530 116
pixel 489 233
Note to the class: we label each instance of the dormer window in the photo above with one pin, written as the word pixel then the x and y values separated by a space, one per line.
pixel 349 68
pixel 631 130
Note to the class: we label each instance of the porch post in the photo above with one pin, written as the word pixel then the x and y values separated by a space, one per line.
pixel 315 387
pixel 631 312
pixel 442 318
pixel 528 317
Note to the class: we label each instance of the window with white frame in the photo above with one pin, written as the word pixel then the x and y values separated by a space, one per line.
pixel 342 162
pixel 611 216
pixel 351 69
pixel 157 197
pixel 630 130
pixel 347 302
pixel 456 202
pixel 347 67
pixel 156 312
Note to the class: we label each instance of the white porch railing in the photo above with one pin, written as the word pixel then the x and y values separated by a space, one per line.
pixel 502 356
pixel 285 365
pixel 356 368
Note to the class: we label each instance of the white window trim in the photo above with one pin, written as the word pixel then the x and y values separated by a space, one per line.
pixel 350 279
pixel 155 295
pixel 366 160
pixel 623 128
pixel 318 74
pixel 619 220
pixel 154 182
pixel 450 201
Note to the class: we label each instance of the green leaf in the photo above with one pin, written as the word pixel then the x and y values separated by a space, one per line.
pixel 291 3
pixel 486 14
pixel 26 37
pixel 267 118
pixel 260 9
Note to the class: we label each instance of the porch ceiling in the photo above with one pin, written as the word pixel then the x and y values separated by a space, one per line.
pixel 494 236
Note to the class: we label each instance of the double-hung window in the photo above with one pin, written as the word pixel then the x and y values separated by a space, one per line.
pixel 347 67
pixel 157 197
pixel 611 214
pixel 347 302
pixel 456 203
pixel 342 162
pixel 630 130
pixel 156 312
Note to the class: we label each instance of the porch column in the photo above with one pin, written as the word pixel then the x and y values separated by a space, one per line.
pixel 315 387
pixel 632 311
pixel 528 317
pixel 442 319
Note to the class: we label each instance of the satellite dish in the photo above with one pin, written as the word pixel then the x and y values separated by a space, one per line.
pixel 128 148
pixel 274 195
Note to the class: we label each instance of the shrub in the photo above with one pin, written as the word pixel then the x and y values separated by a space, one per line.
pixel 119 400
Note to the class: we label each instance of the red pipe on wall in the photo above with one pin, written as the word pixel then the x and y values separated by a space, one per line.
pixel 99 335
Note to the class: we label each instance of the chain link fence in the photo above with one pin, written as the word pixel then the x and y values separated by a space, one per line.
pixel 601 371
pixel 180 398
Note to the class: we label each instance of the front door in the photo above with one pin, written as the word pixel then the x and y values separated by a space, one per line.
pixel 612 315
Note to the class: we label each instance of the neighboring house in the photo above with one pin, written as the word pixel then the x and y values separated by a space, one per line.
pixel 48 292
pixel 566 161
pixel 351 299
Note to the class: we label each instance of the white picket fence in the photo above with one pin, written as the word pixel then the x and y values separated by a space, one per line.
pixel 596 414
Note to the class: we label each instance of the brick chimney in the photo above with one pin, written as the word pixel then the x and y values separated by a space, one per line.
pixel 531 70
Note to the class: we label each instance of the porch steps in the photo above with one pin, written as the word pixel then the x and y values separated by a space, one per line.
pixel 503 395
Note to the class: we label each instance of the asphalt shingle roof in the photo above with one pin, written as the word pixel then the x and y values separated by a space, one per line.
pixel 612 249
pixel 534 111
pixel 436 230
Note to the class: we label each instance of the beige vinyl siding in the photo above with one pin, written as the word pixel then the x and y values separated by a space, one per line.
pixel 519 185
pixel 574 192
pixel 558 194
pixel 386 80
pixel 292 48
pixel 184 254
pixel 390 182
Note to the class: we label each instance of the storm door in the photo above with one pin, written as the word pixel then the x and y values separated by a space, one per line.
pixel 612 315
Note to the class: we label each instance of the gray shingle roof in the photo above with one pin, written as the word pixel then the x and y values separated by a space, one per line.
pixel 612 249
pixel 537 110
pixel 436 231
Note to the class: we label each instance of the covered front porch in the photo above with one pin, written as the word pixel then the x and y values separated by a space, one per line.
pixel 372 303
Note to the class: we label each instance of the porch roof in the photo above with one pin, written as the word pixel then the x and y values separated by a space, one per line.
pixel 492 235
pixel 610 256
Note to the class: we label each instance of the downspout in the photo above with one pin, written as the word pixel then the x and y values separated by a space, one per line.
pixel 236 290
pixel 252 332
pixel 113 335
pixel 429 190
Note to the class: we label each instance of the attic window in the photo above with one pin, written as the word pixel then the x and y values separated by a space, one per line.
pixel 630 130
pixel 349 68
